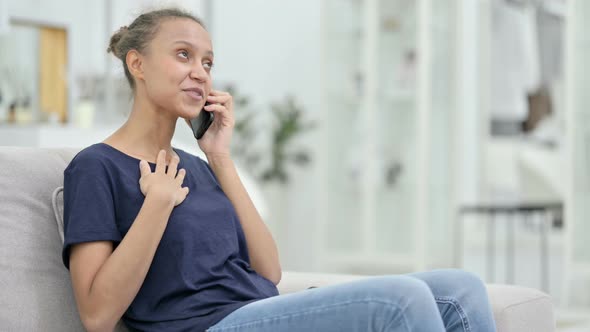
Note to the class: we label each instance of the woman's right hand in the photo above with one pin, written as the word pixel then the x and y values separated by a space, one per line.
pixel 163 185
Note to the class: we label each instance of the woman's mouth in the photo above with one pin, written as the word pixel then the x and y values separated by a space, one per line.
pixel 194 93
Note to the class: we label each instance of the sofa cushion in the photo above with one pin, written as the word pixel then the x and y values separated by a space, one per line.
pixel 36 288
pixel 37 292
pixel 521 309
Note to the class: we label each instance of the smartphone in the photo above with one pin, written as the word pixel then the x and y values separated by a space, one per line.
pixel 201 123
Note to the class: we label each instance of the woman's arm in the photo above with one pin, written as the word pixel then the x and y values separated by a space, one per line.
pixel 106 281
pixel 264 256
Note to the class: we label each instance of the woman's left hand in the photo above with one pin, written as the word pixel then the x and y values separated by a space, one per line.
pixel 216 140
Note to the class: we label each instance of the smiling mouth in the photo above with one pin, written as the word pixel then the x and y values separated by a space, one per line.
pixel 194 94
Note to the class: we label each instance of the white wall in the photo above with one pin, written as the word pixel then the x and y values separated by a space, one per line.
pixel 125 11
pixel 468 115
pixel 269 48
pixel 577 253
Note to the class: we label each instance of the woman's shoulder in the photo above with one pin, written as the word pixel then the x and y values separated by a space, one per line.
pixel 95 156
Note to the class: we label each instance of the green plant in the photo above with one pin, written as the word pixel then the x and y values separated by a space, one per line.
pixel 287 125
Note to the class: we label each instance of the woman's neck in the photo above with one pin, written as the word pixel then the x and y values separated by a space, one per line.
pixel 145 133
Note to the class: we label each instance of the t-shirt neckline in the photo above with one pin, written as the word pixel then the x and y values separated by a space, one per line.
pixel 131 157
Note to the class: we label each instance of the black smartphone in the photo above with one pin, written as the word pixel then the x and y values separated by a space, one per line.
pixel 201 123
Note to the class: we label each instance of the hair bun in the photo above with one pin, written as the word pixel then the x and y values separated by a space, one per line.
pixel 115 41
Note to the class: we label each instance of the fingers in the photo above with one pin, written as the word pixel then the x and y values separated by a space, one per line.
pixel 221 99
pixel 216 108
pixel 173 166
pixel 183 194
pixel 144 168
pixel 161 162
pixel 225 100
pixel 225 117
pixel 180 177
pixel 218 93
pixel 171 170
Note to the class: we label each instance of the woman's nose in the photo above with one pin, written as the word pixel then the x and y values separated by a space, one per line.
pixel 199 73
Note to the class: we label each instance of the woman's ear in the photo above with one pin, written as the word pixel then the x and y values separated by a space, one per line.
pixel 134 64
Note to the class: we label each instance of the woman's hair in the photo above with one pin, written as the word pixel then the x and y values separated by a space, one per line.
pixel 140 33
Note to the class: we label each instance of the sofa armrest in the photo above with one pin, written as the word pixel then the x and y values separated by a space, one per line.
pixel 523 309
pixel 516 309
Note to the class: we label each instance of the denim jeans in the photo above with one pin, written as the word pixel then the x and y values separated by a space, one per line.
pixel 439 300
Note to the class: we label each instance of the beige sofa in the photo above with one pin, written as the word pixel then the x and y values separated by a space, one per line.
pixel 36 291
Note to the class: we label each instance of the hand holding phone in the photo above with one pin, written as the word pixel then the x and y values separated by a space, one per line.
pixel 201 123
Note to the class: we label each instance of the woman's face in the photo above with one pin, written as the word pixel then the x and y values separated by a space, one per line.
pixel 177 67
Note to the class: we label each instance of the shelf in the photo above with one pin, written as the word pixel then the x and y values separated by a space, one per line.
pixel 367 223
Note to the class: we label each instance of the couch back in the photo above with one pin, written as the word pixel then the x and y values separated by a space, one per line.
pixel 36 289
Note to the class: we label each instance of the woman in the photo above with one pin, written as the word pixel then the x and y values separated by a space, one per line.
pixel 167 242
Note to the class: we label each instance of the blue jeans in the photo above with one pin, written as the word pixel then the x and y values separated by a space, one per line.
pixel 440 300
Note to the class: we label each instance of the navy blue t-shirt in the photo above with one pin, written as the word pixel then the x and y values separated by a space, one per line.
pixel 200 272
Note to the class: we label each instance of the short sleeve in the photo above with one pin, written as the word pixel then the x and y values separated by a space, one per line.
pixel 89 209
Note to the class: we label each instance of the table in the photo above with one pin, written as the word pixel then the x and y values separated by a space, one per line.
pixel 516 211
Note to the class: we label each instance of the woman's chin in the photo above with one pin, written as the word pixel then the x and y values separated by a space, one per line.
pixel 192 110
pixel 188 113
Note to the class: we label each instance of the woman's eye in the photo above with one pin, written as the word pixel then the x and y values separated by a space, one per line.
pixel 183 54
pixel 208 65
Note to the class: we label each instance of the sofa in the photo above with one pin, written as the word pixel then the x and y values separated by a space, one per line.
pixel 36 289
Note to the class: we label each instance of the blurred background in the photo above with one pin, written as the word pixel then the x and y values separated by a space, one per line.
pixel 375 136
